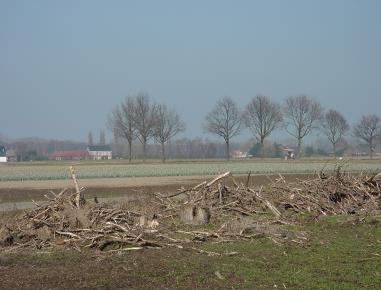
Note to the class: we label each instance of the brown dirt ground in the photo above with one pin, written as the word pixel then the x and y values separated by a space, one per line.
pixel 101 182
pixel 18 191
pixel 148 269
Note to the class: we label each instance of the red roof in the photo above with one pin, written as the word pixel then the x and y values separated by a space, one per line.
pixel 70 153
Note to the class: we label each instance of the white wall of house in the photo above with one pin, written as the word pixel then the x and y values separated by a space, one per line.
pixel 98 155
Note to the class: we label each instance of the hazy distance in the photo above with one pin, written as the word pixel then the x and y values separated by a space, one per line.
pixel 65 64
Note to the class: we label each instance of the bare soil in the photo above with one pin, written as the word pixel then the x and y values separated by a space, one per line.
pixel 25 191
pixel 151 269
pixel 100 182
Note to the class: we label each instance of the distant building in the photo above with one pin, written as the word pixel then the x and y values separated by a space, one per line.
pixel 3 154
pixel 237 154
pixel 288 153
pixel 99 152
pixel 69 155
pixel 11 155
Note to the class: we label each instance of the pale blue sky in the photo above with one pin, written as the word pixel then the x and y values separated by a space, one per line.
pixel 65 64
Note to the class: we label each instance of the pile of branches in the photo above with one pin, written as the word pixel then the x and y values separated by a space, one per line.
pixel 330 194
pixel 61 221
pixel 218 199
pixel 68 219
pixel 237 211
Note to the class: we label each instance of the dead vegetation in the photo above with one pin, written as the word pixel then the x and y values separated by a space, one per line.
pixel 219 210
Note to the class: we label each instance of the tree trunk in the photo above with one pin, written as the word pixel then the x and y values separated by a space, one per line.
pixel 144 150
pixel 334 149
pixel 129 151
pixel 227 150
pixel 163 152
pixel 371 150
pixel 299 149
pixel 262 147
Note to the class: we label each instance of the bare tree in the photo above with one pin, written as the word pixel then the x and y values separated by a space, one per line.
pixel 225 121
pixel 167 125
pixel 369 130
pixel 334 126
pixel 262 117
pixel 121 122
pixel 302 115
pixel 144 119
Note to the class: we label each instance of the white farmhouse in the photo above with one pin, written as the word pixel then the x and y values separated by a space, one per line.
pixel 99 152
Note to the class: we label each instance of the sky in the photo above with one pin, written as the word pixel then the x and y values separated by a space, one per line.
pixel 64 65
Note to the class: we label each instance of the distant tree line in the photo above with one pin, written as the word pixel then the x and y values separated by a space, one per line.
pixel 31 149
pixel 298 116
pixel 137 117
pixel 140 120
pixel 179 148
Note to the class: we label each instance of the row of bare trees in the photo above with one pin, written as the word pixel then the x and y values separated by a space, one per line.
pixel 139 118
pixel 298 116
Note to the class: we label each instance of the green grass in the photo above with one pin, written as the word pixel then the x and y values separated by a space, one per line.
pixel 341 254
pixel 120 168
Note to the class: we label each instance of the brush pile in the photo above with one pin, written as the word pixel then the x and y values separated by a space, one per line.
pixel 235 211
pixel 218 199
pixel 326 194
pixel 60 221
pixel 330 194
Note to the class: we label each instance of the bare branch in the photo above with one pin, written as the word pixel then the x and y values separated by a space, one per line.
pixel 224 120
pixel 144 118
pixel 302 115
pixel 167 125
pixel 334 126
pixel 262 117
pixel 368 129
pixel 122 122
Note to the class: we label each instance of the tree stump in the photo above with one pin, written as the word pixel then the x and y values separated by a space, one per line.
pixel 6 238
pixel 195 215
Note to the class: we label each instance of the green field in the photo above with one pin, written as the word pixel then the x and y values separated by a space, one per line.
pixel 86 169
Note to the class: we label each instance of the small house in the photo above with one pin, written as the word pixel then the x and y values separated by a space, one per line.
pixel 99 152
pixel 237 154
pixel 11 155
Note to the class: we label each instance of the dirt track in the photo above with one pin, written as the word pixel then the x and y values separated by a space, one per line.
pixel 24 191
pixel 14 192
pixel 128 182
pixel 102 182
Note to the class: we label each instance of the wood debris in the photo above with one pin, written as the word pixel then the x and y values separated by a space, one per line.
pixel 68 219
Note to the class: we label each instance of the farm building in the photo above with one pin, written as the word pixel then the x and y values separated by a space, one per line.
pixel 237 154
pixel 11 155
pixel 99 152
pixel 3 154
pixel 288 153
pixel 69 155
